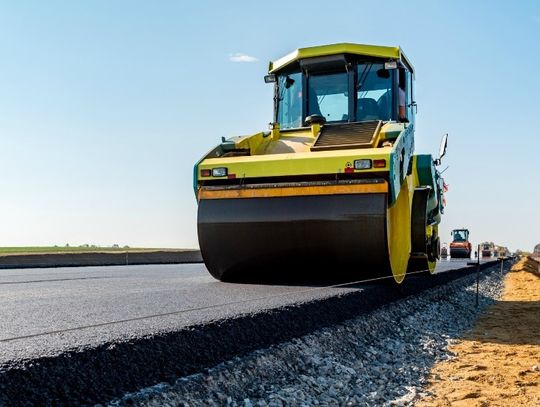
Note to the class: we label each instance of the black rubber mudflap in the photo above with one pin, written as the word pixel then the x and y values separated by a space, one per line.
pixel 419 220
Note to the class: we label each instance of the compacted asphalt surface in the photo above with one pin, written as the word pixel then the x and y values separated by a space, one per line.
pixel 87 335
pixel 47 311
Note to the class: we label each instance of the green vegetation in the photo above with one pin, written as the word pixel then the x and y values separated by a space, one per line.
pixel 73 249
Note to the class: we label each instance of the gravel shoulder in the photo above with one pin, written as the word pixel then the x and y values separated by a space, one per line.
pixel 497 363
pixel 380 358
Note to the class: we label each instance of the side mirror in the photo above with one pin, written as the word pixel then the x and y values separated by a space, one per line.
pixel 444 144
pixel 442 149
pixel 271 78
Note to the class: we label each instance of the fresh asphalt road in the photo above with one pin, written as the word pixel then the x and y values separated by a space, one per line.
pixel 47 311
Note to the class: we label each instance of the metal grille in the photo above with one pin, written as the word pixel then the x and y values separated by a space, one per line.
pixel 350 135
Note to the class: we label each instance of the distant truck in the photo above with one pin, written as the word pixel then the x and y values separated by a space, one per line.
pixel 460 247
pixel 444 251
pixel 488 249
pixel 501 251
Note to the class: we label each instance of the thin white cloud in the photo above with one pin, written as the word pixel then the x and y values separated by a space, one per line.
pixel 239 57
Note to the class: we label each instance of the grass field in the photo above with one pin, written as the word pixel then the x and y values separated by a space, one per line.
pixel 73 249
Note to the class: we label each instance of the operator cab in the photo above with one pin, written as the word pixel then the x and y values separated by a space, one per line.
pixel 343 89
pixel 460 235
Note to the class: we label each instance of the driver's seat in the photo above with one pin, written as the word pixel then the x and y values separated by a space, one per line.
pixel 367 109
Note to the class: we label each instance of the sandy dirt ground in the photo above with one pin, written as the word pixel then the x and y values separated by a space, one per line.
pixel 498 362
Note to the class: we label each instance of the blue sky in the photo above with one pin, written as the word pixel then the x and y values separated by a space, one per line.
pixel 106 105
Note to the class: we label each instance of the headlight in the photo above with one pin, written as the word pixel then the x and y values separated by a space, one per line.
pixel 364 164
pixel 219 172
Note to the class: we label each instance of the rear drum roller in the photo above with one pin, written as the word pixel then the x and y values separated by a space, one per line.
pixel 433 250
pixel 424 237
pixel 435 253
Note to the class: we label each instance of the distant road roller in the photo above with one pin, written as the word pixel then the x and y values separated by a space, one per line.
pixel 333 187
pixel 460 247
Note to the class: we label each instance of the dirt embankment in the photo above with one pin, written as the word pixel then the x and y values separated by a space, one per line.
pixel 498 361
pixel 99 258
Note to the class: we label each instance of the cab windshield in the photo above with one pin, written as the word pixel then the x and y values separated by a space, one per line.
pixel 373 92
pixel 364 93
pixel 328 96
pixel 459 236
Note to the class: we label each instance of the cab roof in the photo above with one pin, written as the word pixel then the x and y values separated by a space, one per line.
pixel 377 51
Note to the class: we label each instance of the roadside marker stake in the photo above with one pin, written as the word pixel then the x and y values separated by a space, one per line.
pixel 477 275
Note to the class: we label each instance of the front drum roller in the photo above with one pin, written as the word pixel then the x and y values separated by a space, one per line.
pixel 399 232
pixel 341 236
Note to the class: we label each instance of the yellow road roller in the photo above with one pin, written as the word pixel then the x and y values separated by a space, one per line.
pixel 332 188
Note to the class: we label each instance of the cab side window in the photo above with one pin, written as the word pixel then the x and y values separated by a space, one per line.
pixel 402 96
pixel 405 96
pixel 410 96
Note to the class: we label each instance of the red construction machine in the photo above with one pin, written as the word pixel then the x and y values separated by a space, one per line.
pixel 460 247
